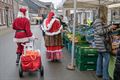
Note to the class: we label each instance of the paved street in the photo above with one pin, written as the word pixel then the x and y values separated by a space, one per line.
pixel 53 71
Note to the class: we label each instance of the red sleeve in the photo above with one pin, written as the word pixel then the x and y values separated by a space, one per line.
pixel 27 29
pixel 55 27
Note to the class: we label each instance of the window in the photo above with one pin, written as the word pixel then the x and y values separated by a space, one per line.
pixel 116 14
pixel 5 1
pixel 10 16
pixel 3 16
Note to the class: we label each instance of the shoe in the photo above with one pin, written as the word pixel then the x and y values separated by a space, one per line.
pixel 18 59
pixel 105 79
pixel 99 76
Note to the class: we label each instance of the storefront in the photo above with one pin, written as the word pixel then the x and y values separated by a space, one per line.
pixel 6 12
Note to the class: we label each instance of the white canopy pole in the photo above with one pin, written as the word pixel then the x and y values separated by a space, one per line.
pixel 71 65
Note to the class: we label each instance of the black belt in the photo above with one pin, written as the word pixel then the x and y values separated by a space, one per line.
pixel 20 30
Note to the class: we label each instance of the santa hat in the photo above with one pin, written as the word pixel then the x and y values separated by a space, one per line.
pixel 48 23
pixel 22 12
pixel 50 16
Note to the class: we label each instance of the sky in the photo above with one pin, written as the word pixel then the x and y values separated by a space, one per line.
pixel 55 2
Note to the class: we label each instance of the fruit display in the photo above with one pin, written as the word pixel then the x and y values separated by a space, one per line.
pixel 85 56
pixel 69 35
pixel 82 30
pixel 78 37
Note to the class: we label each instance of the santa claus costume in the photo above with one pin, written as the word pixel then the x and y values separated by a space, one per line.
pixel 21 25
pixel 53 40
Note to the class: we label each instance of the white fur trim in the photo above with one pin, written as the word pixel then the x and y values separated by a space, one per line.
pixel 20 14
pixel 55 50
pixel 21 39
pixel 54 33
pixel 48 27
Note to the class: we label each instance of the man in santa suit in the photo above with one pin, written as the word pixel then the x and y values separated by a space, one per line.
pixel 21 25
pixel 53 40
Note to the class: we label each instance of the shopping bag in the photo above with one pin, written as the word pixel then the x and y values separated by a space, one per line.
pixel 31 60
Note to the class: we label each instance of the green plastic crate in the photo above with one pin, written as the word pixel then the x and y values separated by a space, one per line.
pixel 83 43
pixel 87 59
pixel 87 51
pixel 77 48
pixel 86 67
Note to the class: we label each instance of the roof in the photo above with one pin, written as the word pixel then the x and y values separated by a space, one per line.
pixel 39 3
pixel 46 3
pixel 35 4
pixel 31 5
pixel 88 3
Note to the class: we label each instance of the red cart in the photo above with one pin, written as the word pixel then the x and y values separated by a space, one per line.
pixel 30 60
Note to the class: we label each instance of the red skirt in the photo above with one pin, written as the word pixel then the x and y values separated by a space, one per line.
pixel 54 47
pixel 54 53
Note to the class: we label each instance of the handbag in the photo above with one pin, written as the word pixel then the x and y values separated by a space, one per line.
pixel 107 40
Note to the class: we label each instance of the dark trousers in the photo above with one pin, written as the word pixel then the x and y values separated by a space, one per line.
pixel 20 48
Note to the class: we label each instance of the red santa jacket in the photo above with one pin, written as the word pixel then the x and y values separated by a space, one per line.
pixel 22 27
pixel 53 28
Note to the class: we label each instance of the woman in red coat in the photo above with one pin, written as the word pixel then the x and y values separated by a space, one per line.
pixel 53 40
pixel 22 27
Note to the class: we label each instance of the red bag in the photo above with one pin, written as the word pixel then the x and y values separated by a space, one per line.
pixel 31 61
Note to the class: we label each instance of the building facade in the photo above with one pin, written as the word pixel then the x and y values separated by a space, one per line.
pixel 6 12
pixel 15 8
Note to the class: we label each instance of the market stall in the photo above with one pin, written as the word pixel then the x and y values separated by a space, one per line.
pixel 85 53
pixel 85 4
